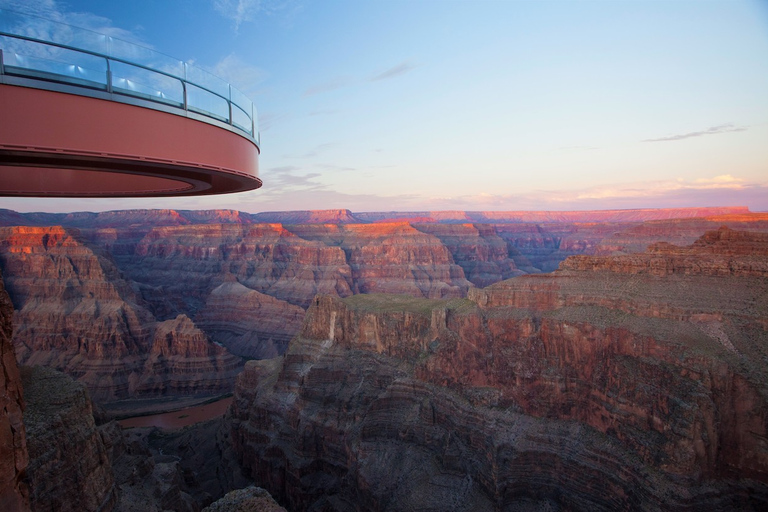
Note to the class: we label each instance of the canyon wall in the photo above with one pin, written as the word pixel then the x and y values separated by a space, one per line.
pixel 593 388
pixel 14 455
pixel 90 294
pixel 76 313
pixel 69 468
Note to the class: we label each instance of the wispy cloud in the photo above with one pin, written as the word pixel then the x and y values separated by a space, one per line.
pixel 269 119
pixel 53 11
pixel 345 81
pixel 314 152
pixel 714 130
pixel 400 69
pixel 242 75
pixel 331 85
pixel 242 11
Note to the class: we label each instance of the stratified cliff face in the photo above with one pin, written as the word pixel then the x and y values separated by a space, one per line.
pixel 682 231
pixel 188 262
pixel 14 493
pixel 183 361
pixel 481 253
pixel 583 390
pixel 392 258
pixel 250 499
pixel 75 312
pixel 69 468
pixel 249 323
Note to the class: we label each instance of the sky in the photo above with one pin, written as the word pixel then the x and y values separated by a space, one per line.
pixel 470 105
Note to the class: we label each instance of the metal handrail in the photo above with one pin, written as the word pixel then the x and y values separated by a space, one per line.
pixel 253 134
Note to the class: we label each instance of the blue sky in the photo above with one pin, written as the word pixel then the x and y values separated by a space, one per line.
pixel 474 105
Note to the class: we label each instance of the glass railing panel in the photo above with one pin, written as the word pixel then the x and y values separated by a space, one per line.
pixel 207 103
pixel 38 60
pixel 147 57
pixel 143 83
pixel 241 100
pixel 206 80
pixel 241 119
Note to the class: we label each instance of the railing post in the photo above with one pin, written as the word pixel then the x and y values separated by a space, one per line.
pixel 2 67
pixel 229 104
pixel 109 77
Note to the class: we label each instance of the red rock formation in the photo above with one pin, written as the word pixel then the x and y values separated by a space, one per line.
pixel 183 361
pixel 189 262
pixel 14 457
pixel 581 390
pixel 477 249
pixel 722 252
pixel 307 217
pixel 74 312
pixel 249 323
pixel 250 499
pixel 676 231
pixel 392 258
pixel 602 216
pixel 69 468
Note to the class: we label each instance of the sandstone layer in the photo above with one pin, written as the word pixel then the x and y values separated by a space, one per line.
pixel 250 499
pixel 588 389
pixel 69 468
pixel 14 456
pixel 89 295
pixel 249 323
pixel 75 312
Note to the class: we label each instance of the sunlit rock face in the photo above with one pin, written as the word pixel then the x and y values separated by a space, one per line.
pixel 75 312
pixel 598 387
pixel 14 456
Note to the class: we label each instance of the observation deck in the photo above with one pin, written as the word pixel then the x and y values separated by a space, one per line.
pixel 84 114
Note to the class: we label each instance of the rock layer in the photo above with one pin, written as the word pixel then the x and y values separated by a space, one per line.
pixel 76 313
pixel 249 323
pixel 69 468
pixel 574 391
pixel 14 456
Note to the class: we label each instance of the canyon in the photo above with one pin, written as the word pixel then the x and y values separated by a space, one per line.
pixel 388 361
pixel 611 384
pixel 141 303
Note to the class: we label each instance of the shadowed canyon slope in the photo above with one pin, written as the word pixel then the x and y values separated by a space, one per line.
pixel 615 383
pixel 14 455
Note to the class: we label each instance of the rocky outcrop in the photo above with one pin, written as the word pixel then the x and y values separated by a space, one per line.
pixel 69 467
pixel 516 217
pixel 342 216
pixel 249 323
pixel 685 231
pixel 14 492
pixel 477 249
pixel 581 390
pixel 722 252
pixel 183 361
pixel 250 499
pixel 392 258
pixel 173 469
pixel 187 263
pixel 76 313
